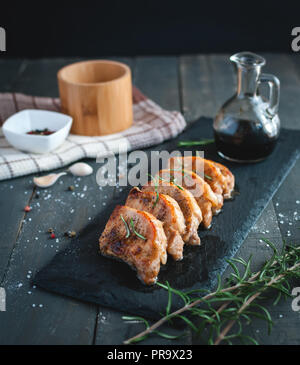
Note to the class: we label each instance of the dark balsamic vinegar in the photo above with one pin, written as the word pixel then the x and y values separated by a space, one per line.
pixel 244 143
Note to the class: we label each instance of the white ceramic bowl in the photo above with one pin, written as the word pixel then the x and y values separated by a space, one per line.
pixel 16 127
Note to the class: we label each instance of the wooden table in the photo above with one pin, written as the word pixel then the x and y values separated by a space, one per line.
pixel 195 85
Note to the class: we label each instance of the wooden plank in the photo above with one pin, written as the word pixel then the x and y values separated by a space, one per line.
pixel 285 68
pixel 287 199
pixel 10 70
pixel 157 77
pixel 74 322
pixel 21 318
pixel 34 316
pixel 287 206
pixel 207 82
pixel 39 76
pixel 14 194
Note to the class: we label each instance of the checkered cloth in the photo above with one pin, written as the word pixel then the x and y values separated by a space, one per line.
pixel 152 125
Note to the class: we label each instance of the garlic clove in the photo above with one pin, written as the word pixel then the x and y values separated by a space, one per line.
pixel 80 169
pixel 47 180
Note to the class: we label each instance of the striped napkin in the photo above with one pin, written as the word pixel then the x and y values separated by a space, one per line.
pixel 152 125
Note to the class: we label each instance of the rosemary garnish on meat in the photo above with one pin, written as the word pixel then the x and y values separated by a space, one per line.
pixel 208 177
pixel 172 180
pixel 195 143
pixel 133 229
pixel 135 232
pixel 219 316
pixel 126 226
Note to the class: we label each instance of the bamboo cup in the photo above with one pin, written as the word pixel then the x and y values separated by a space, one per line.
pixel 98 95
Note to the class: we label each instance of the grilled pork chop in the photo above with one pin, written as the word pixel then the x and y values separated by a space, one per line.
pixel 187 203
pixel 165 209
pixel 137 238
pixel 229 179
pixel 207 170
pixel 201 191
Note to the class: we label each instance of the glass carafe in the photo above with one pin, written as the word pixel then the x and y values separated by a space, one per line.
pixel 247 126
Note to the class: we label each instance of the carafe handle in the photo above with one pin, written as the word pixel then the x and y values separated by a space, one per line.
pixel 274 85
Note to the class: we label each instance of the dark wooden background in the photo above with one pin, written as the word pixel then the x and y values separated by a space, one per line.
pixel 196 85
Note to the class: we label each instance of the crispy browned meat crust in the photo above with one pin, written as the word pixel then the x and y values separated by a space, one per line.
pixel 165 214
pixel 201 191
pixel 143 255
pixel 187 203
pixel 205 169
pixel 229 178
pixel 165 209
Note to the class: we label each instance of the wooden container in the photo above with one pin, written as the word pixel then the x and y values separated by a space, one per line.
pixel 98 95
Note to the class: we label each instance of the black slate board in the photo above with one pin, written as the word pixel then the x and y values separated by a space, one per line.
pixel 81 272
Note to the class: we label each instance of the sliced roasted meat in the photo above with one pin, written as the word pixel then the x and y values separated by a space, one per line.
pixel 205 169
pixel 229 178
pixel 201 191
pixel 165 209
pixel 137 238
pixel 218 176
pixel 187 203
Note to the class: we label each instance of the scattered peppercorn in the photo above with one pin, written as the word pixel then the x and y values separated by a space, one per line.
pixel 71 188
pixel 27 208
pixel 37 195
pixel 41 132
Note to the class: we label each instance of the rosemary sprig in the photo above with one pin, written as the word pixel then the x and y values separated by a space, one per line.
pixel 126 226
pixel 208 177
pixel 172 180
pixel 234 301
pixel 135 232
pixel 195 143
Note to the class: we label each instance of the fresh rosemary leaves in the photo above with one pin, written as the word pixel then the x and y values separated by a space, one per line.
pixel 135 232
pixel 195 143
pixel 126 227
pixel 133 229
pixel 213 315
